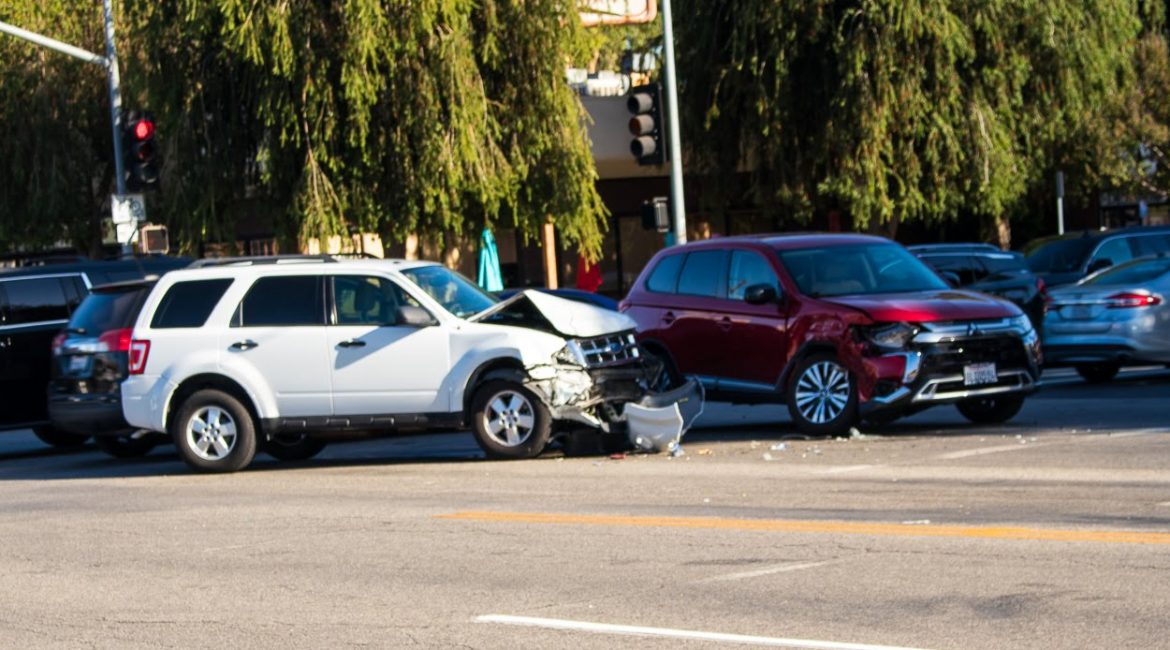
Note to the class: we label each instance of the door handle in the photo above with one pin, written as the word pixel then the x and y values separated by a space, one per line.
pixel 668 318
pixel 352 343
pixel 724 323
pixel 247 344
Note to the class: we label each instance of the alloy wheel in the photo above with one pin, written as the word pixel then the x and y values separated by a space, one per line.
pixel 509 418
pixel 822 392
pixel 211 433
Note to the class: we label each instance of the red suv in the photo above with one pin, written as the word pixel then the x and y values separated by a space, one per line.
pixel 839 327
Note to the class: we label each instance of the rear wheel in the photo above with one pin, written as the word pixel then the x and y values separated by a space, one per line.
pixel 1098 373
pixel 127 446
pixel 991 410
pixel 509 421
pixel 822 397
pixel 58 438
pixel 213 432
pixel 293 447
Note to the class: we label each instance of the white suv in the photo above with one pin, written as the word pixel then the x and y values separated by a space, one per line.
pixel 281 354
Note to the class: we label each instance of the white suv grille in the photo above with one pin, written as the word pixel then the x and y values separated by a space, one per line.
pixel 607 350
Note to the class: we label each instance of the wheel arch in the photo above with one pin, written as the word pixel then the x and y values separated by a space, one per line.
pixel 487 370
pixel 196 383
pixel 805 351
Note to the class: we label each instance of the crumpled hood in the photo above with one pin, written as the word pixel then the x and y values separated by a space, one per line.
pixel 928 306
pixel 568 317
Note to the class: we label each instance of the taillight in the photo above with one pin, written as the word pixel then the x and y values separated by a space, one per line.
pixel 115 340
pixel 1127 299
pixel 139 351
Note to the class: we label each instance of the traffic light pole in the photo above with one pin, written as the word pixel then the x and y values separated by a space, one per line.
pixel 115 97
pixel 674 141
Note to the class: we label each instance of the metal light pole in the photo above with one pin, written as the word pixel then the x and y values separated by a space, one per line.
pixel 115 97
pixel 677 204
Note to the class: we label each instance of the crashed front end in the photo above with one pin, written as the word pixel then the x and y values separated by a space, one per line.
pixel 609 383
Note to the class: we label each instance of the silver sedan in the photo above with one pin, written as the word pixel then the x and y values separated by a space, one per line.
pixel 1116 317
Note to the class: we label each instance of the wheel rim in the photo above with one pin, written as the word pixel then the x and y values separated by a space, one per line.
pixel 211 433
pixel 509 418
pixel 822 392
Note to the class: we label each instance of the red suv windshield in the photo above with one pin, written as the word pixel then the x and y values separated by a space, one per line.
pixel 857 269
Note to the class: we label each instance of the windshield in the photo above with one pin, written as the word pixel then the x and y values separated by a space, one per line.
pixel 858 269
pixel 454 292
pixel 1135 272
pixel 107 310
pixel 1061 256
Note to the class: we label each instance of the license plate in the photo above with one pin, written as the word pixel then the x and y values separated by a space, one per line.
pixel 1078 312
pixel 77 363
pixel 979 373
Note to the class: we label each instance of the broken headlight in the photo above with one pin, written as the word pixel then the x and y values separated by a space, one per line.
pixel 890 337
pixel 571 354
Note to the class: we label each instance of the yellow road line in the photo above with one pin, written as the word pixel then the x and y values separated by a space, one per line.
pixel 838 527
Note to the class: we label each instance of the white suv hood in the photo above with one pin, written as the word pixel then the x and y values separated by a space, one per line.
pixel 569 317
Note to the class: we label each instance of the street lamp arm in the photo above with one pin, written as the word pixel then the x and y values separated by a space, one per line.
pixel 53 44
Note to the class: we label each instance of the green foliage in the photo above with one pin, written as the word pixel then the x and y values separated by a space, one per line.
pixel 399 116
pixel 896 110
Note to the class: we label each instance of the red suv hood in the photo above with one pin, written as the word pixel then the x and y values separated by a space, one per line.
pixel 926 306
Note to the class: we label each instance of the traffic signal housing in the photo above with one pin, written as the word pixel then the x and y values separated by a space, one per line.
pixel 647 124
pixel 140 152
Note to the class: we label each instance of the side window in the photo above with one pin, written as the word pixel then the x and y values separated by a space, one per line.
pixel 188 304
pixel 1116 250
pixel 35 300
pixel 702 273
pixel 963 266
pixel 748 268
pixel 75 291
pixel 1152 244
pixel 664 277
pixel 368 300
pixel 282 301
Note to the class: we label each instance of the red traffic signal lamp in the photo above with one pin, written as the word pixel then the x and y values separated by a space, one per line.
pixel 647 125
pixel 140 152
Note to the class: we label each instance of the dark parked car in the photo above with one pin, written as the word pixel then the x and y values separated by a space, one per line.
pixel 836 326
pixel 36 302
pixel 596 299
pixel 1066 259
pixel 991 271
pixel 90 359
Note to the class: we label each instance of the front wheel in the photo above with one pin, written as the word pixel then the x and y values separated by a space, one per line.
pixel 213 432
pixel 127 446
pixel 991 410
pixel 822 397
pixel 509 421
pixel 58 438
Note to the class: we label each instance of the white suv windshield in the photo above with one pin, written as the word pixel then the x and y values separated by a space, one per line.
pixel 454 292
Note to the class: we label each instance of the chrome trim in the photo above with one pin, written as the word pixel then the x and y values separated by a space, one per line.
pixel 961 330
pixel 892 397
pixel 913 365
pixel 30 326
pixel 929 391
pixel 605 350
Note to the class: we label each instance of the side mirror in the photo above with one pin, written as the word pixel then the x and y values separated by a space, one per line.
pixel 950 277
pixel 412 316
pixel 1099 263
pixel 760 294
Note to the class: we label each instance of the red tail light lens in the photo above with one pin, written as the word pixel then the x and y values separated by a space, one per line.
pixel 139 351
pixel 1128 299
pixel 115 340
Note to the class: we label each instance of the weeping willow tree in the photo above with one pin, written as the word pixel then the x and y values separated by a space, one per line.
pixel 897 110
pixel 398 116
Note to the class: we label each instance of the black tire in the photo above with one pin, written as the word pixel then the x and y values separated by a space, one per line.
pixel 214 432
pixel 991 410
pixel 127 446
pixel 509 421
pixel 822 396
pixel 1098 373
pixel 293 447
pixel 669 377
pixel 58 438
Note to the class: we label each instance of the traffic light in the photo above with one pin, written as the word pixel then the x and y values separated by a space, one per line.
pixel 656 214
pixel 647 125
pixel 140 152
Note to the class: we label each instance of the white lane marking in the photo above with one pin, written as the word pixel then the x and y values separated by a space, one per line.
pixel 637 630
pixel 846 468
pixel 767 571
pixel 955 455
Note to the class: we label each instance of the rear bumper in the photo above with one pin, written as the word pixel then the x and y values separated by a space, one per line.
pixel 89 415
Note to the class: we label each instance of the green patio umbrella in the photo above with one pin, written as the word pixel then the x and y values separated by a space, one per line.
pixel 489 263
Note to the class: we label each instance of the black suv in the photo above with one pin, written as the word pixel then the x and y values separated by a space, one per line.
pixel 36 302
pixel 1068 258
pixel 992 271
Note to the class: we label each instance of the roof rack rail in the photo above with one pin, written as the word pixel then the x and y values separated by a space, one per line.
pixel 261 259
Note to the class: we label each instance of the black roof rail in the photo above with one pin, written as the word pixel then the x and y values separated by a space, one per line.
pixel 260 259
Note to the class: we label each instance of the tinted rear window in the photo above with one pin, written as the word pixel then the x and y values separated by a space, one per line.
pixel 108 310
pixel 35 300
pixel 188 304
pixel 1137 273
pixel 1003 263
pixel 1061 256
pixel 283 301
pixel 702 273
pixel 664 278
